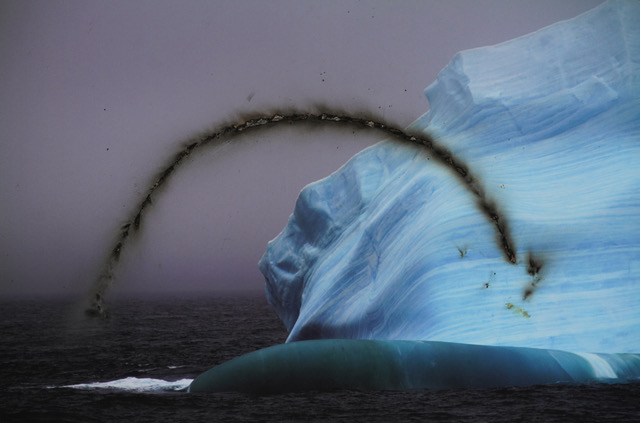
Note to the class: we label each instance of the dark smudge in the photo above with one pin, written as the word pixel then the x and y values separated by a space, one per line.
pixel 324 116
pixel 534 266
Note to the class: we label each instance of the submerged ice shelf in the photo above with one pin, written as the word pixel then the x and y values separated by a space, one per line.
pixel 393 248
pixel 327 364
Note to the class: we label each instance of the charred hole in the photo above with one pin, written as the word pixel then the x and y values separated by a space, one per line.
pixel 534 264
pixel 461 171
pixel 528 292
pixel 146 202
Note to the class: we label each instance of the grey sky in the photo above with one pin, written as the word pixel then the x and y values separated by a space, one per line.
pixel 96 96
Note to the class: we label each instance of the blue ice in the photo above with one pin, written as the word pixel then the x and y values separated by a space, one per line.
pixel 329 364
pixel 393 248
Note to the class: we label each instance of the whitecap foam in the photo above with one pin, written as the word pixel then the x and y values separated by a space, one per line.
pixel 134 384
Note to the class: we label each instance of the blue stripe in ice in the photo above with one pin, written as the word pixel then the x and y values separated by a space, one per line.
pixel 393 247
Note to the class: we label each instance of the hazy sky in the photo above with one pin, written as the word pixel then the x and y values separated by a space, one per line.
pixel 96 96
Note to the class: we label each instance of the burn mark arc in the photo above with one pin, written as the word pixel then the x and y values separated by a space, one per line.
pixel 327 117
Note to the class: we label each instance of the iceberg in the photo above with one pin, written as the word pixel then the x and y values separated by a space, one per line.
pixel 358 364
pixel 393 246
pixel 392 263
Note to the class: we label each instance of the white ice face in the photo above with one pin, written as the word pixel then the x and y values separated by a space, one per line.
pixel 394 246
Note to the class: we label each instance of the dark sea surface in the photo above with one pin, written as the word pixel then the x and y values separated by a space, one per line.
pixel 47 345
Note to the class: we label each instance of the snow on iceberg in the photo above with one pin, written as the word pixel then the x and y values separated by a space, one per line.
pixel 393 247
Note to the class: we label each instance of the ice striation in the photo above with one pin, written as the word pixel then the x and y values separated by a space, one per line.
pixel 393 246
pixel 391 271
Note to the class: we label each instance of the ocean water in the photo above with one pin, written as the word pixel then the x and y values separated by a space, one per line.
pixel 52 357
